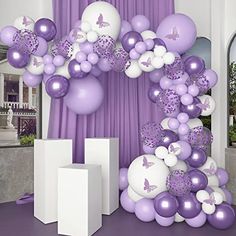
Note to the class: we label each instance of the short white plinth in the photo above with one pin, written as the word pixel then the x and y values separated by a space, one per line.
pixel 105 152
pixel 49 155
pixel 79 199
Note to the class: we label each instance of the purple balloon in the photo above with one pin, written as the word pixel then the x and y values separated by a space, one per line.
pixel 144 210
pixel 154 92
pixel 127 203
pixel 197 221
pixel 47 59
pixel 32 80
pixel 186 150
pixel 183 117
pixel 74 69
pixel 223 217
pixel 86 47
pixel 58 60
pixel 130 39
pixel 134 55
pixel 46 78
pixel 193 110
pixel 222 176
pixel 189 206
pixel 165 204
pixel 168 137
pixel 140 47
pixel 123 179
pixel 156 75
pixel 148 150
pixel 57 86
pixel 85 96
pixel 80 56
pixel 42 48
pixel 95 71
pixel 7 35
pixel 164 221
pixel 86 66
pixel 228 195
pixel 104 64
pixel 194 65
pixel 199 180
pixel 198 158
pixel 49 69
pixel 93 58
pixel 140 23
pixel 159 42
pixel 125 28
pixel 17 58
pixel 149 44
pixel 165 82
pixel 211 77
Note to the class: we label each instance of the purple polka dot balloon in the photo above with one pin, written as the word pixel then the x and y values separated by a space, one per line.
pixel 201 82
pixel 175 70
pixel 63 48
pixel 119 60
pixel 104 46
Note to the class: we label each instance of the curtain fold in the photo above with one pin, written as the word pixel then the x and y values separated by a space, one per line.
pixel 126 106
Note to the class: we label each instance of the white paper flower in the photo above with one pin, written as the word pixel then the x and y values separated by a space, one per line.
pixel 170 159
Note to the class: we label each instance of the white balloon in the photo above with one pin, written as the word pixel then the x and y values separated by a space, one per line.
pixel 63 70
pixel 202 195
pixel 164 123
pixel 81 37
pixel 159 51
pixel 24 22
pixel 169 58
pixel 145 61
pixel 157 62
pixel 36 65
pixel 218 198
pixel 92 36
pixel 174 148
pixel 148 34
pixel 209 168
pixel 133 71
pixel 192 123
pixel 147 176
pixel 170 160
pixel 103 18
pixel 133 195
pixel 208 105
pixel 75 49
pixel 208 208
pixel 219 190
pixel 161 152
pixel 213 181
pixel 180 165
pixel 179 218
pixel 85 26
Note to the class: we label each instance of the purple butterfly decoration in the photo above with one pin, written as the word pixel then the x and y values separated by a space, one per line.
pixel 26 21
pixel 75 34
pixel 101 22
pixel 211 170
pixel 147 164
pixel 174 35
pixel 211 200
pixel 204 106
pixel 149 188
pixel 147 63
pixel 173 149
pixel 36 62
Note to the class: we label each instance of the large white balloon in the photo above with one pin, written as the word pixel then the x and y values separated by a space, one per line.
pixel 36 65
pixel 103 18
pixel 133 195
pixel 24 22
pixel 63 70
pixel 192 123
pixel 180 165
pixel 219 190
pixel 133 71
pixel 209 168
pixel 208 105
pixel 145 61
pixel 147 176
pixel 213 181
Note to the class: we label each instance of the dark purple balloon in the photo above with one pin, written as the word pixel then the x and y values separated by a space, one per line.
pixel 45 28
pixel 57 86
pixel 199 180
pixel 165 204
pixel 74 69
pixel 197 158
pixel 130 39
pixel 193 110
pixel 159 42
pixel 223 217
pixel 17 58
pixel 168 137
pixel 194 65
pixel 189 206
pixel 154 92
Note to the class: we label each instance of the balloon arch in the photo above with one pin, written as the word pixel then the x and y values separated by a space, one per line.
pixel 174 181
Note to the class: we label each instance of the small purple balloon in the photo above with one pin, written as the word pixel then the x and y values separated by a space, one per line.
pixel 32 80
pixel 125 28
pixel 7 35
pixel 104 64
pixel 140 23
pixel 222 176
pixel 74 69
pixel 228 195
pixel 86 47
pixel 80 56
pixel 134 55
pixel 197 158
pixel 193 110
pixel 149 44
pixel 130 39
pixel 57 86
pixel 45 28
pixel 159 42
pixel 154 92
pixel 86 66
pixel 93 58
pixel 211 77
pixel 17 58
pixel 186 150
pixel 164 221
pixel 47 59
pixel 156 75
pixel 197 221
pixel 199 180
pixel 95 71
pixel 194 65
pixel 49 69
pixel 58 60
pixel 168 137
pixel 42 48
pixel 148 150
pixel 123 179
pixel 127 203
pixel 140 47
pixel 144 210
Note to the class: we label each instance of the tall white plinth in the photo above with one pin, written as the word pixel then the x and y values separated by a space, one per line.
pixel 49 155
pixel 79 199
pixel 105 152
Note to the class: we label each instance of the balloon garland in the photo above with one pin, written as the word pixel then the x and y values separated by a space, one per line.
pixel 174 180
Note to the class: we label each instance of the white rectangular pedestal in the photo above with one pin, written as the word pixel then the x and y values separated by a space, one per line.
pixel 105 152
pixel 79 199
pixel 49 155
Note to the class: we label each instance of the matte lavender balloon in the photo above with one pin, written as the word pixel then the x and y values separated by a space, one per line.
pixel 32 80
pixel 156 75
pixel 93 58
pixel 140 23
pixel 222 176
pixel 85 96
pixel 197 221
pixel 74 69
pixel 7 35
pixel 49 69
pixel 165 204
pixel 42 48
pixel 140 47
pixel 47 59
pixel 193 110
pixel 159 42
pixel 154 92
pixel 144 210
pixel 183 117
pixel 198 158
pixel 123 178
pixel 149 44
pixel 223 217
pixel 164 221
pixel 86 47
pixel 228 195
pixel 199 180
pixel 134 55
pixel 104 64
pixel 127 203
pixel 168 137
pixel 17 58
pixel 130 39
pixel 125 28
pixel 194 65
pixel 86 66
pixel 95 71
pixel 189 206
pixel 211 77
pixel 186 150
pixel 58 60
pixel 80 56
pixel 148 150
pixel 46 78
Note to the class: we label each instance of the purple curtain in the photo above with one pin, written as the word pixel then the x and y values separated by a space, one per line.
pixel 126 106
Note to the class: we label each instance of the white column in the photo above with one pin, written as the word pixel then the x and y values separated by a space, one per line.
pixel 21 92
pixel 30 97
pixel 1 89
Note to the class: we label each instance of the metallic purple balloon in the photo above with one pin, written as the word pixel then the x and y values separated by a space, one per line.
pixel 197 158
pixel 194 65
pixel 17 58
pixel 159 42
pixel 74 69
pixel 154 92
pixel 189 206
pixel 223 217
pixel 57 86
pixel 165 204
pixel 199 180
pixel 168 137
pixel 130 39
pixel 193 110
pixel 222 176
pixel 127 203
pixel 123 178
pixel 45 28
pixel 32 80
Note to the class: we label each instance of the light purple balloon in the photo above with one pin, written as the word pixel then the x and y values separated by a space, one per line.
pixel 86 66
pixel 193 90
pixel 186 150
pixel 186 99
pixel 125 27
pixel 93 58
pixel 80 56
pixel 154 93
pixel 211 77
pixel 95 71
pixel 183 129
pixel 134 55
pixel 32 80
pixel 222 176
pixel 104 64
pixel 17 58
pixel 182 79
pixel 140 47
pixel 156 75
pixel 228 195
pixel 164 221
pixel 197 221
pixel 45 78
pixel 173 123
pixel 123 178
pixel 140 23
pixel 49 69
pixel 165 82
pixel 183 117
pixel 181 89
pixel 144 210
pixel 85 96
pixel 127 203
pixel 149 44
pixel 58 60
pixel 47 59
pixel 7 35
pixel 148 150
pixel 86 47
pixel 42 48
